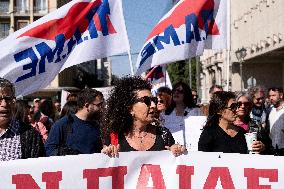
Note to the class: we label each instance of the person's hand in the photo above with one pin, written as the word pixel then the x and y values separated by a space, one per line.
pixel 176 149
pixel 111 150
pixel 258 146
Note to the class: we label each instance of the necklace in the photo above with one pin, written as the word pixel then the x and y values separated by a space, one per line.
pixel 141 137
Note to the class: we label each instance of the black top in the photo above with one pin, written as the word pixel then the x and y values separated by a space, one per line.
pixel 215 139
pixel 163 138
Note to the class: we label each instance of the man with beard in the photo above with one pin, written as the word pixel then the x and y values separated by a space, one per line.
pixel 78 133
pixel 276 119
pixel 17 139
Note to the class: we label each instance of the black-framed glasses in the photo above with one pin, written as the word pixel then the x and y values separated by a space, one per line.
pixel 6 98
pixel 161 101
pixel 233 107
pixel 147 100
pixel 246 104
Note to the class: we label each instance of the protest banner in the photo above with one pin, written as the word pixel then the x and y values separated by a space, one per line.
pixel 79 31
pixel 185 31
pixel 156 170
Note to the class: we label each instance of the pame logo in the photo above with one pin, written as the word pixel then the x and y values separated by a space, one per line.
pixel 196 15
pixel 67 33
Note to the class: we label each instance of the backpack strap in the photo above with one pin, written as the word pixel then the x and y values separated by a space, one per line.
pixel 68 129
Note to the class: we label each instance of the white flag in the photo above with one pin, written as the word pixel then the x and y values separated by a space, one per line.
pixel 80 31
pixel 185 31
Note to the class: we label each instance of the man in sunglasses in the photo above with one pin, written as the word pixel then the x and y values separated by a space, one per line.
pixel 17 139
pixel 78 133
pixel 276 118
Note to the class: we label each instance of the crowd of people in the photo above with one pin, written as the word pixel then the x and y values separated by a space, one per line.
pixel 132 119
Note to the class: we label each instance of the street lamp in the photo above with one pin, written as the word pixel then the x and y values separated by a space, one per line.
pixel 241 54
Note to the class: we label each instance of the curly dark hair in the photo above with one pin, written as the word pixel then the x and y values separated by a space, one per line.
pixel 218 103
pixel 117 117
pixel 188 99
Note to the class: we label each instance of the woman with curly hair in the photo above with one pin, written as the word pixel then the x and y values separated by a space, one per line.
pixel 220 134
pixel 129 120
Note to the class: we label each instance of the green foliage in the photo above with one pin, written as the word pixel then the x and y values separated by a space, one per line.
pixel 179 71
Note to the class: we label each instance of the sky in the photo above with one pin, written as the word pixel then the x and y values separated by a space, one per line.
pixel 140 17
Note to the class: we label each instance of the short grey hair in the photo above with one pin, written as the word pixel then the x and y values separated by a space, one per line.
pixel 253 90
pixel 239 94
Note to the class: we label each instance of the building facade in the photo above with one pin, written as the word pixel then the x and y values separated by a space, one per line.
pixel 256 27
pixel 16 14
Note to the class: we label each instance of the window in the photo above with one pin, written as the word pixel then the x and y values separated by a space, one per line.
pixel 4 7
pixel 22 23
pixel 4 30
pixel 41 5
pixel 22 5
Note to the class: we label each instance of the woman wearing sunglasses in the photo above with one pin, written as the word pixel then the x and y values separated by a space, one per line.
pixel 244 103
pixel 129 123
pixel 244 107
pixel 220 134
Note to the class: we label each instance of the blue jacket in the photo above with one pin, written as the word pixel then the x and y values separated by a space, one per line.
pixel 85 136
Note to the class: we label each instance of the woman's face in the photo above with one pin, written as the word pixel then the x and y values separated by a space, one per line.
pixel 178 95
pixel 229 113
pixel 144 109
pixel 243 106
pixel 161 104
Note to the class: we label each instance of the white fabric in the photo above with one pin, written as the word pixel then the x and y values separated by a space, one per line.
pixel 20 58
pixel 274 115
pixel 176 124
pixel 175 44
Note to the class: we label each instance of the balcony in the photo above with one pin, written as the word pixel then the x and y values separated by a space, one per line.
pixel 4 8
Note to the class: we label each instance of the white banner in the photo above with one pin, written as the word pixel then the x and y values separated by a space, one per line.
pixel 80 31
pixel 184 32
pixel 144 170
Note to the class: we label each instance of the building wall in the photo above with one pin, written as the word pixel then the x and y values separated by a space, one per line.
pixel 256 26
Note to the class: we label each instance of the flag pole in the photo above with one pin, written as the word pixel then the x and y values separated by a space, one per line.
pixel 228 57
pixel 130 62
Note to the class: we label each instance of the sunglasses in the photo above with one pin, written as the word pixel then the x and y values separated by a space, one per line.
pixel 246 104
pixel 233 107
pixel 179 91
pixel 147 100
